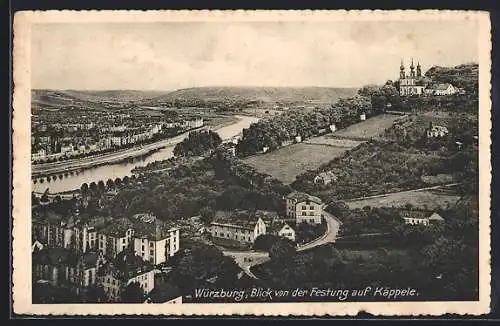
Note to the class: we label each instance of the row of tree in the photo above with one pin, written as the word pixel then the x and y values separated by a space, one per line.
pixel 370 100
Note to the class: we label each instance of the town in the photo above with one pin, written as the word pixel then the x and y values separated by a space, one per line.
pixel 386 179
pixel 57 134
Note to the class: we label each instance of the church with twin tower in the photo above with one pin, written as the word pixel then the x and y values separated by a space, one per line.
pixel 410 84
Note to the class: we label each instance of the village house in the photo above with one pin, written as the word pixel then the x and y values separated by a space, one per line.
pixel 287 142
pixel 283 230
pixel 39 155
pixel 126 268
pixel 36 246
pixel 444 89
pixel 325 178
pixel 154 240
pixel 304 208
pixel 229 148
pixel 436 131
pixel 237 228
pixel 421 217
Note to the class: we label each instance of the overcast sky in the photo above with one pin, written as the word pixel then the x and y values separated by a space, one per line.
pixel 167 56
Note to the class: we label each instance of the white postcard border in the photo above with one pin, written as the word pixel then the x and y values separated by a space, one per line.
pixel 21 271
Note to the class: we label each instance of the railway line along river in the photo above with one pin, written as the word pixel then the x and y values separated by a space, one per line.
pixel 73 180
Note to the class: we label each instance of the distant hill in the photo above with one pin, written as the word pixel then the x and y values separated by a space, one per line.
pixel 66 97
pixel 258 95
pixel 117 95
pixel 198 96
pixel 465 76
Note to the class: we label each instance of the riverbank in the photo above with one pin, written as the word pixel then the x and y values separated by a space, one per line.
pixel 109 158
pixel 69 180
pixel 49 169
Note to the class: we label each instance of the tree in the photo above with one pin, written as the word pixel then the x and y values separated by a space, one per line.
pixel 197 143
pixel 101 186
pixel 193 267
pixel 264 242
pixel 93 188
pixel 94 294
pixel 110 184
pixel 133 293
pixel 207 214
pixel 282 250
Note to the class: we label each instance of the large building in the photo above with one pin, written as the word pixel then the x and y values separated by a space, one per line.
pixel 238 228
pixel 304 208
pixel 411 83
pixel 115 237
pixel 48 228
pixel 126 268
pixel 155 241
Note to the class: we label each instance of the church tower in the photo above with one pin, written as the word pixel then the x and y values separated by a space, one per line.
pixel 409 85
pixel 412 69
pixel 402 71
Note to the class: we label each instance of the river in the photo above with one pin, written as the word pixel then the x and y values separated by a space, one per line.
pixel 120 170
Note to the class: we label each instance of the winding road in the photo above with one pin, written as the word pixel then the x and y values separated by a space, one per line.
pixel 249 259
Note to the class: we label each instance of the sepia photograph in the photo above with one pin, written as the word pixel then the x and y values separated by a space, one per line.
pixel 325 162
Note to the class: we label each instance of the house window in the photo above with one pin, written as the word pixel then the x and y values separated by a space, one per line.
pixel 303 213
pixel 308 202
pixel 304 207
pixel 311 213
pixel 311 207
pixel 311 220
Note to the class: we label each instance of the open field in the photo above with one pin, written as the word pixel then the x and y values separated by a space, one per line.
pixel 431 199
pixel 289 161
pixel 372 127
